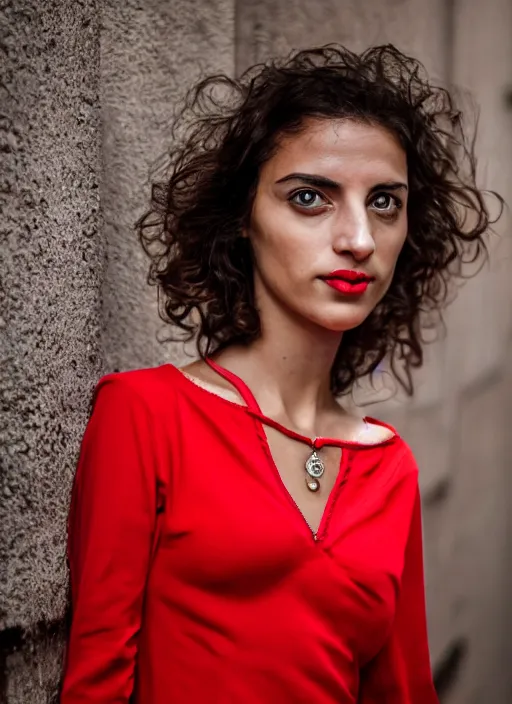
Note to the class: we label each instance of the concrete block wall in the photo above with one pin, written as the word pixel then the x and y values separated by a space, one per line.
pixel 88 90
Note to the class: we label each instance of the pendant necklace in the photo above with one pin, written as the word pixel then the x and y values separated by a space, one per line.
pixel 314 470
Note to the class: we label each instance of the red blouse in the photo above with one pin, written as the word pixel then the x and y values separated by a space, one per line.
pixel 196 579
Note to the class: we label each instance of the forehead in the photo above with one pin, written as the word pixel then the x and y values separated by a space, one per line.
pixel 339 148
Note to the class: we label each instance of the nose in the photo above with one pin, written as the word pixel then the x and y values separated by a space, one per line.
pixel 352 233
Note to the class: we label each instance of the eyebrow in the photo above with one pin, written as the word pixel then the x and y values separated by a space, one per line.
pixel 323 182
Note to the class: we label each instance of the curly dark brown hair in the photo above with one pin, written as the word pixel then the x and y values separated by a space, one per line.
pixel 203 268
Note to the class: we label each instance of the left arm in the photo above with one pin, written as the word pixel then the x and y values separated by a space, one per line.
pixel 400 673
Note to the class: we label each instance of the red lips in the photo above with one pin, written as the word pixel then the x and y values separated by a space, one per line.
pixel 348 281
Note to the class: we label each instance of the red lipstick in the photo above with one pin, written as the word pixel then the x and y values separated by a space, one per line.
pixel 348 281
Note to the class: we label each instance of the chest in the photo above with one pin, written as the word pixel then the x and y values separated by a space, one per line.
pixel 232 530
pixel 238 495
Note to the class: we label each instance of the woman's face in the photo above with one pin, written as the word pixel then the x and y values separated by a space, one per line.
pixel 328 222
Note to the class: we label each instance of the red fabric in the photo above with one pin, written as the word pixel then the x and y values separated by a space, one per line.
pixel 196 579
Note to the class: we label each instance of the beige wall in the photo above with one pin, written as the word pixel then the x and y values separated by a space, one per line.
pixel 151 52
pixel 79 132
pixel 470 563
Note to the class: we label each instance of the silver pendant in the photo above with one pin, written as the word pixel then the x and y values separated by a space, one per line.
pixel 315 469
pixel 314 465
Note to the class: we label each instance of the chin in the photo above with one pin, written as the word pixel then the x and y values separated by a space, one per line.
pixel 343 322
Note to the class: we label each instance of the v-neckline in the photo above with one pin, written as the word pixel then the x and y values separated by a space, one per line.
pixel 341 477
pixel 253 408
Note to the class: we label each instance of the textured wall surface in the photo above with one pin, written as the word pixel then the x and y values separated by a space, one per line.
pixel 275 27
pixel 62 275
pixel 87 95
pixel 51 269
pixel 152 51
pixel 51 261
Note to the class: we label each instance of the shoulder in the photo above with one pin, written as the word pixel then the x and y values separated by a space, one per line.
pixel 399 449
pixel 396 458
pixel 397 478
pixel 376 431
pixel 150 386
pixel 401 463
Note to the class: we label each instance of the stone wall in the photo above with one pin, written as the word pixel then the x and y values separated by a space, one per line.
pixel 51 254
pixel 87 90
pixel 87 94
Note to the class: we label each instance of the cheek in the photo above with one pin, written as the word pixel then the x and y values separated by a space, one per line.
pixel 284 250
pixel 272 255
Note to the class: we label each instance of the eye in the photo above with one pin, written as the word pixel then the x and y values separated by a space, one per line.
pixel 386 204
pixel 307 198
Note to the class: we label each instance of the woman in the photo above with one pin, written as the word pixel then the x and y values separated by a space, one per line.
pixel 235 535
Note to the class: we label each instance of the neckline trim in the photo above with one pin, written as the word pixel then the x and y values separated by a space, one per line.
pixel 253 408
pixel 239 384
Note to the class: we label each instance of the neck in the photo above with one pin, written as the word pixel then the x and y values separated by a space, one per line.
pixel 288 368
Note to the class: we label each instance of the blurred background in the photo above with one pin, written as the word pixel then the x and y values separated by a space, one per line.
pixel 87 94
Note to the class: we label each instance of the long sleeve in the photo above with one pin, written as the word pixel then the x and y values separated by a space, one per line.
pixel 401 673
pixel 111 529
